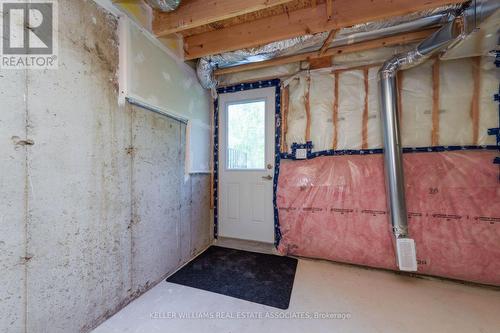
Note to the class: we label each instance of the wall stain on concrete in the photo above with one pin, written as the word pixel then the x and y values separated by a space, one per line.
pixel 95 166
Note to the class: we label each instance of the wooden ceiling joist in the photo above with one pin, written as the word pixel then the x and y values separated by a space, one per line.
pixel 405 38
pixel 329 9
pixel 326 43
pixel 301 22
pixel 317 63
pixel 195 13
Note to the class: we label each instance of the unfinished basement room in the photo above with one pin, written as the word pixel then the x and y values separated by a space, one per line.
pixel 250 166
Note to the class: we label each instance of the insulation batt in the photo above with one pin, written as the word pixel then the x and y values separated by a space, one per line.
pixel 335 208
pixel 455 100
pixel 321 99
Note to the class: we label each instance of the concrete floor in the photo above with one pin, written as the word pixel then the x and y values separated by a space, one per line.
pixel 376 301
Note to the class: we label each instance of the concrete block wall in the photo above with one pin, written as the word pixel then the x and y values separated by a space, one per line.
pixel 94 204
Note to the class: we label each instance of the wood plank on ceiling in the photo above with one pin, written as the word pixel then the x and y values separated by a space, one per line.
pixel 301 22
pixel 195 13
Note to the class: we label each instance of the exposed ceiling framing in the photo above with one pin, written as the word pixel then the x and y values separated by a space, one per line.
pixel 216 26
pixel 195 13
pixel 312 19
pixel 406 38
pixel 327 42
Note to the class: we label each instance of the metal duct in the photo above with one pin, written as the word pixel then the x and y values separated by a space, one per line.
pixel 164 5
pixel 354 34
pixel 482 31
pixel 392 138
pixel 448 35
pixel 396 25
pixel 477 13
pixel 207 65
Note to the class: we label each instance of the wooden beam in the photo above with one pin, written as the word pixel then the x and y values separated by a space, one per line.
pixel 318 63
pixel 195 13
pixel 285 97
pixel 364 131
pixel 476 74
pixel 301 22
pixel 435 103
pixel 357 47
pixel 339 70
pixel 326 43
pixel 307 103
pixel 356 68
pixel 336 111
pixel 329 9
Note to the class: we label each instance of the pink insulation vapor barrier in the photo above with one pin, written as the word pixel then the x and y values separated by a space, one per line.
pixel 335 208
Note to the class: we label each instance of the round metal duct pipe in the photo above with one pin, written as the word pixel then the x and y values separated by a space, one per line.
pixel 446 37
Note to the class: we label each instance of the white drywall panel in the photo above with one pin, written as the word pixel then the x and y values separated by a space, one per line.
pixel 161 80
pixel 197 159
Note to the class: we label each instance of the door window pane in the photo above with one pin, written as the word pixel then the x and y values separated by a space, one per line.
pixel 246 135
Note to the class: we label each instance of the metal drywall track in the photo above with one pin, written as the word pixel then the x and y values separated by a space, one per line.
pixel 152 108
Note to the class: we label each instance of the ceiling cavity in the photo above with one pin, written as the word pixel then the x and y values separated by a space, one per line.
pixel 302 44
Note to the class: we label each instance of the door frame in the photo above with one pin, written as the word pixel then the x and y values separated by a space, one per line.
pixel 276 83
pixel 244 214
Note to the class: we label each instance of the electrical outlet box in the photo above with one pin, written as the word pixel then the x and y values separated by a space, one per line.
pixel 301 154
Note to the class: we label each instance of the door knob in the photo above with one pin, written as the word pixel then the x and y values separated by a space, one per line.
pixel 268 177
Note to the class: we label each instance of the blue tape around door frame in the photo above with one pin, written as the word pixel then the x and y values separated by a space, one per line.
pixel 236 88
pixel 496 131
pixel 216 167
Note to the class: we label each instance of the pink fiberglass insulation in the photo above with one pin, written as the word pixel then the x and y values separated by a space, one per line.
pixel 335 208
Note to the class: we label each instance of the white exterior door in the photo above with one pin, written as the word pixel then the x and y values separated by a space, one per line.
pixel 246 164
